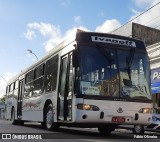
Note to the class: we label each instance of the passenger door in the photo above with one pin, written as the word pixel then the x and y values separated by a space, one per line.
pixel 65 88
pixel 19 102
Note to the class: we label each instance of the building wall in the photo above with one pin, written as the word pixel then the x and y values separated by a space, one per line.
pixel 154 55
pixel 147 34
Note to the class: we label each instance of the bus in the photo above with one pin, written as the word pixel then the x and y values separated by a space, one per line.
pixel 93 80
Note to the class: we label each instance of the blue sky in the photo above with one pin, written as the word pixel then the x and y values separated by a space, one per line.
pixel 41 24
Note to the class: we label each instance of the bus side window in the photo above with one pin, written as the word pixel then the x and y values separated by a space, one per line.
pixel 51 69
pixel 39 71
pixel 29 84
pixel 16 84
pixel 7 89
pixel 39 79
pixel 11 87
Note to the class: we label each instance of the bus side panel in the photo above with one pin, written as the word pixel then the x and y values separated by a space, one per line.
pixel 33 106
pixel 10 103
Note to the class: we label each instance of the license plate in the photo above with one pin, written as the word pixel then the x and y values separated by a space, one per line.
pixel 118 119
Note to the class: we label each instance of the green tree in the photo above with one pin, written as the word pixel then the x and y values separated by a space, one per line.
pixel 3 99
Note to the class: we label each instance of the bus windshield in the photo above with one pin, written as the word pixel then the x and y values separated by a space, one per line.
pixel 113 72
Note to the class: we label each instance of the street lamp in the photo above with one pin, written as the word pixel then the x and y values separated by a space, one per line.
pixel 30 51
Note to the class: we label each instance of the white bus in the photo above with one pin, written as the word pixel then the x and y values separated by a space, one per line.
pixel 92 80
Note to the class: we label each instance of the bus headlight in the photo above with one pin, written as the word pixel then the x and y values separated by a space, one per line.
pixel 87 107
pixel 145 110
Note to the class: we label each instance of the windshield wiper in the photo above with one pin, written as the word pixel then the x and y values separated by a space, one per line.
pixel 105 53
pixel 129 61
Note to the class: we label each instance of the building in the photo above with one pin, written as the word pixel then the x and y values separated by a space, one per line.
pixel 154 55
pixel 147 34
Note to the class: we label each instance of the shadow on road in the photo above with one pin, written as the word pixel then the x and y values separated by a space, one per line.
pixel 78 133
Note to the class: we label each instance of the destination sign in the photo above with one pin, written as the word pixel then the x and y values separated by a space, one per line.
pixel 113 41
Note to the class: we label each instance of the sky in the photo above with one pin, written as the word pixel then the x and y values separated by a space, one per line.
pixel 39 25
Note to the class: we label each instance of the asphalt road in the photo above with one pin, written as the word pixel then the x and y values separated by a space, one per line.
pixel 34 130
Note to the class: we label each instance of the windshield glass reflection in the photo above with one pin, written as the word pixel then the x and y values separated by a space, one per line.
pixel 109 72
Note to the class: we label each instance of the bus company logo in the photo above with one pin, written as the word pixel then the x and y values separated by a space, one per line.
pixel 113 41
pixel 119 110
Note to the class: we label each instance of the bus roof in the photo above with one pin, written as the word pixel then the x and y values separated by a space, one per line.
pixel 82 36
pixel 57 48
pixel 87 37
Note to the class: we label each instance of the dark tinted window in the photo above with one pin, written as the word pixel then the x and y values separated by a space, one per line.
pixel 7 89
pixel 39 71
pixel 28 89
pixel 38 86
pixel 16 84
pixel 29 76
pixel 11 87
pixel 51 74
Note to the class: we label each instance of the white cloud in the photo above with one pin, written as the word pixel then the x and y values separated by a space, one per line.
pixel 77 19
pixel 51 43
pixel 65 3
pixel 143 3
pixel 151 17
pixel 135 11
pixel 101 14
pixel 108 26
pixel 46 29
pixel 72 31
pixel 49 31
pixel 30 35
pixel 52 32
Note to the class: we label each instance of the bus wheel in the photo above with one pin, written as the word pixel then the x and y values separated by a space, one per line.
pixel 49 119
pixel 13 121
pixel 106 130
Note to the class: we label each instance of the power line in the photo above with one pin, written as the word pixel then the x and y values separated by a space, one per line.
pixel 137 16
pixel 3 78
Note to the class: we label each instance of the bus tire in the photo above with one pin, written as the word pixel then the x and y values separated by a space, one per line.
pixel 106 130
pixel 49 119
pixel 13 121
